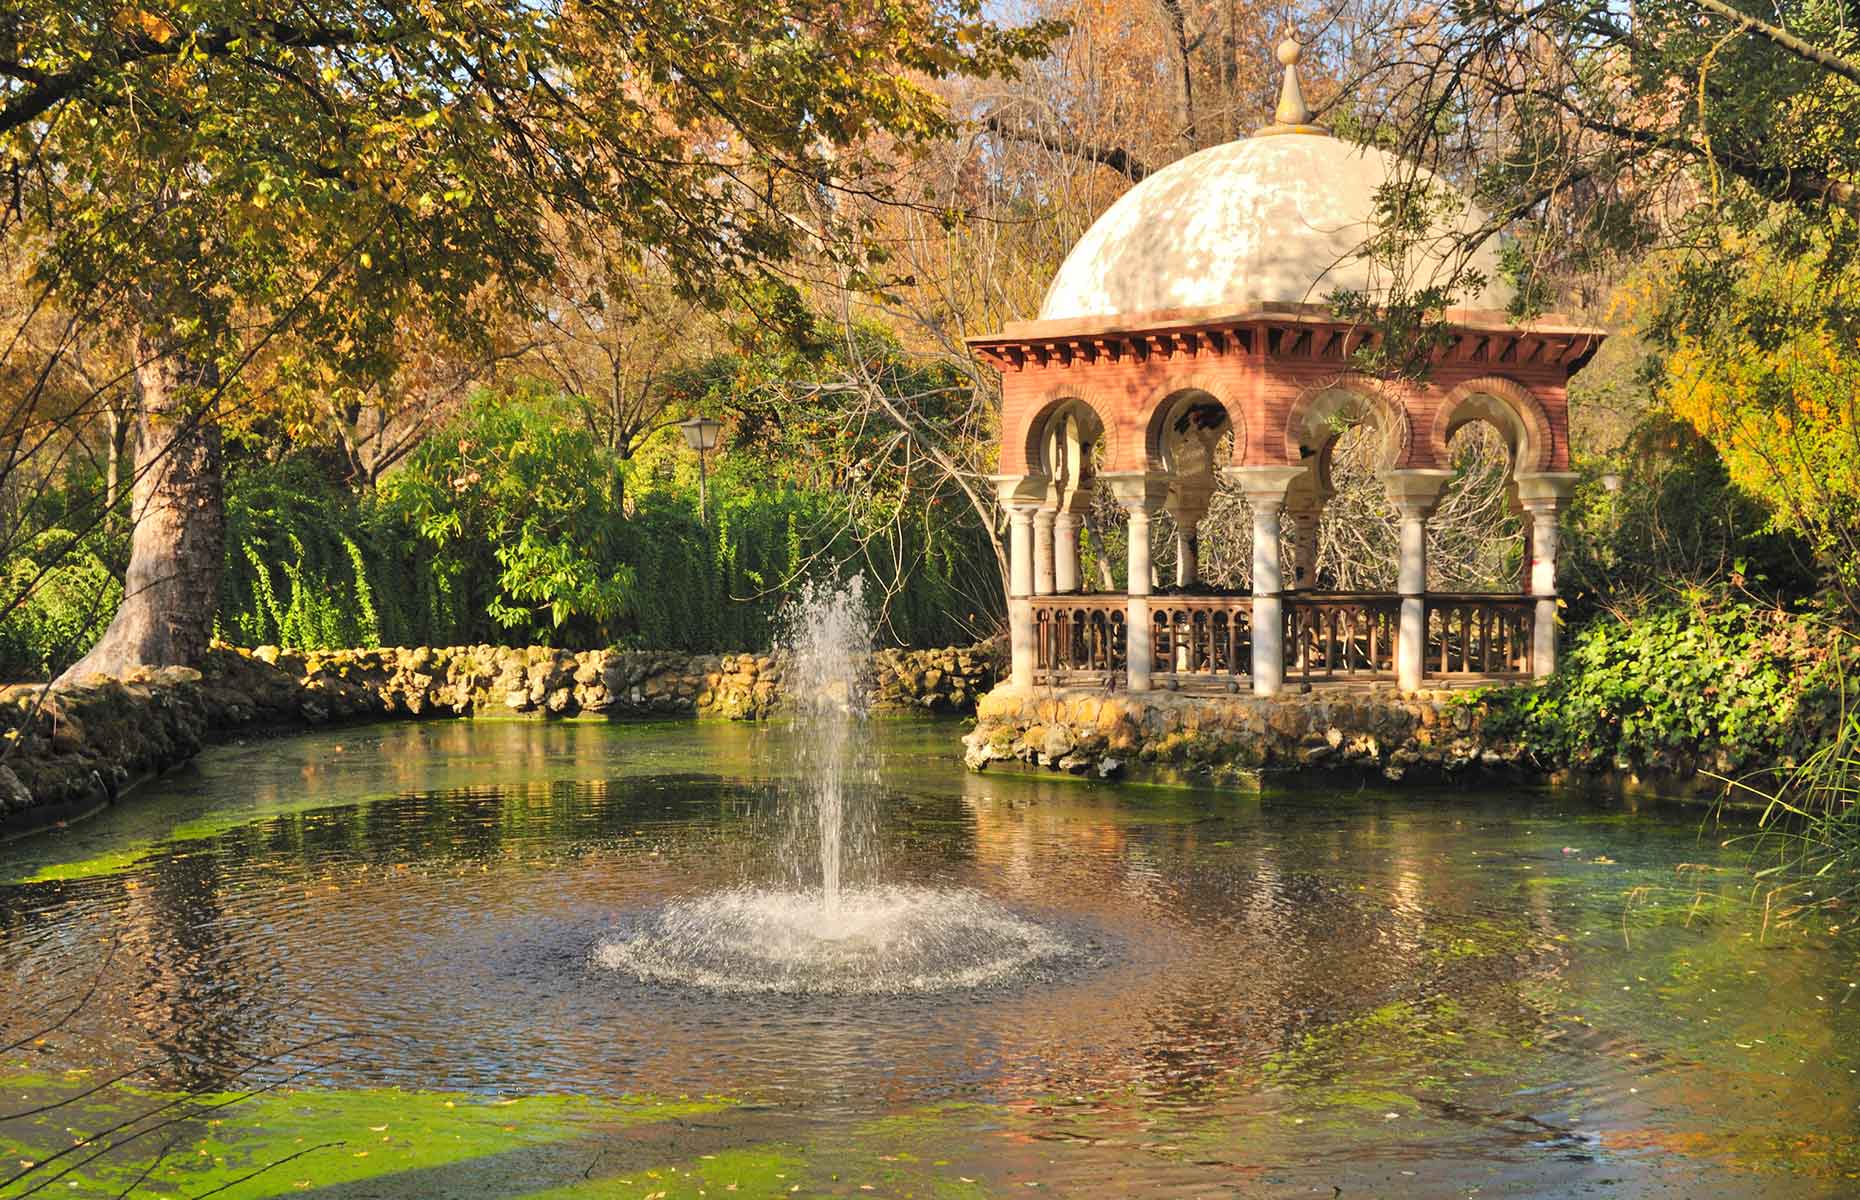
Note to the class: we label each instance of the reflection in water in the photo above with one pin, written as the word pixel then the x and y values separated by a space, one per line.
pixel 1237 965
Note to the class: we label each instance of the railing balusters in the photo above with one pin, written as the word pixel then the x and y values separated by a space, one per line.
pixel 1327 636
pixel 1475 635
pixel 1332 636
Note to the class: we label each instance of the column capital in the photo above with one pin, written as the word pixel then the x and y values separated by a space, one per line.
pixel 1076 497
pixel 1545 487
pixel 1137 490
pixel 1015 491
pixel 1264 485
pixel 1188 502
pixel 1414 491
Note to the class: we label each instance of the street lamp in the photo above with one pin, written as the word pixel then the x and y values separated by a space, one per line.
pixel 701 435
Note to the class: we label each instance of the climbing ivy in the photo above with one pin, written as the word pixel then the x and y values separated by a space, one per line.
pixel 1726 686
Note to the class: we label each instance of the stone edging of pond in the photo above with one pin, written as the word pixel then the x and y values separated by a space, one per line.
pixel 70 751
pixel 1241 741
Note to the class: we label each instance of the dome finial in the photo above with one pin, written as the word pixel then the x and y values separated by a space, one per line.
pixel 1293 115
pixel 1292 107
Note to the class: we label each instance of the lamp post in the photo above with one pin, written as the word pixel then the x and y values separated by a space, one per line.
pixel 701 435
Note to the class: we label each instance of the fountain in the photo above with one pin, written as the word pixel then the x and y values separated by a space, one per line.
pixel 831 925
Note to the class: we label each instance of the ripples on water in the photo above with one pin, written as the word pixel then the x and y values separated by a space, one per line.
pixel 495 905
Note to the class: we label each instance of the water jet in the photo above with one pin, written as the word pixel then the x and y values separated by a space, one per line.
pixel 831 924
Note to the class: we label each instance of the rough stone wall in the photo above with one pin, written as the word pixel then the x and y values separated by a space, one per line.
pixel 82 746
pixel 1231 739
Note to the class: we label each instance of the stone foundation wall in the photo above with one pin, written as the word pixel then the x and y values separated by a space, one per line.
pixel 71 750
pixel 1232 739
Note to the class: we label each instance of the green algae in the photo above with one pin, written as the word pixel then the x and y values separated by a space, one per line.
pixel 128 858
pixel 256 1145
pixel 1414 1049
pixel 1473 938
pixel 110 863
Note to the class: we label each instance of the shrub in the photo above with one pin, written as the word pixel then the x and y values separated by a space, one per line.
pixel 1752 688
pixel 62 593
pixel 296 574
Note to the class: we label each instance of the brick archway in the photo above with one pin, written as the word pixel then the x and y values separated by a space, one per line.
pixel 1534 438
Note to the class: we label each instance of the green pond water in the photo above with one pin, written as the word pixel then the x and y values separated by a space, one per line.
pixel 368 963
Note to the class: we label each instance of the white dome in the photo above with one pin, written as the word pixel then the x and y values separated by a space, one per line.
pixel 1271 219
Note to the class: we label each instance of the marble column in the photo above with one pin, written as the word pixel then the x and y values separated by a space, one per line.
pixel 1138 635
pixel 1414 493
pixel 1268 604
pixel 1187 556
pixel 1021 496
pixel 1543 495
pixel 1516 507
pixel 1543 515
pixel 1020 549
pixel 1411 582
pixel 1022 652
pixel 1188 505
pixel 1304 522
pixel 1066 528
pixel 1140 496
pixel 1044 567
pixel 1266 491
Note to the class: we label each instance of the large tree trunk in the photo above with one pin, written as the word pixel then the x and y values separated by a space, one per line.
pixel 177 547
pixel 1185 78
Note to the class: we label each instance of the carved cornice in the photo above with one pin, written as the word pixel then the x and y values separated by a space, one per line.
pixel 1286 333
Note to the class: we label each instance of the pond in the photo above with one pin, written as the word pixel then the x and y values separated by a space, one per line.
pixel 370 963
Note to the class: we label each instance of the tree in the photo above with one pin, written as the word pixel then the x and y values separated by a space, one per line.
pixel 1603 132
pixel 609 330
pixel 1702 150
pixel 212 180
pixel 1773 382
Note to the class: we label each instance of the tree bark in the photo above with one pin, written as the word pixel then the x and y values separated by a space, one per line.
pixel 177 545
pixel 118 417
pixel 1185 77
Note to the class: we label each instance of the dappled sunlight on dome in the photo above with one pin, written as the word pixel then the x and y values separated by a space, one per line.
pixel 1277 219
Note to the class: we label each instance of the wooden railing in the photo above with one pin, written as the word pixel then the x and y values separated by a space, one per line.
pixel 1340 635
pixel 1078 635
pixel 1328 636
pixel 1201 639
pixel 1479 634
